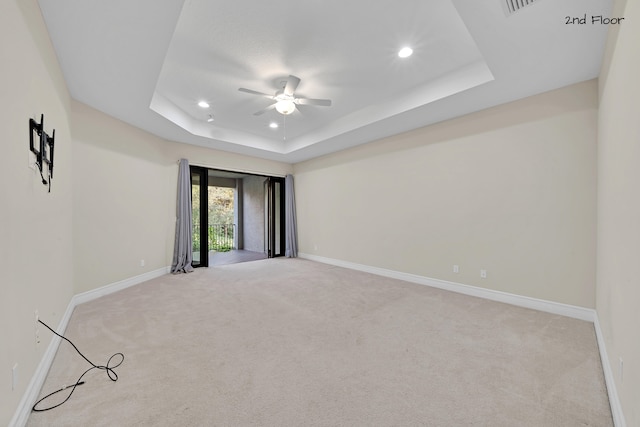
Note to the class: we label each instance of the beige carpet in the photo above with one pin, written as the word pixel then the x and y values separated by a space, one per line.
pixel 285 342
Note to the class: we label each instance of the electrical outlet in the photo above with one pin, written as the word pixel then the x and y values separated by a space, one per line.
pixel 483 274
pixel 141 263
pixel 456 268
pixel 37 330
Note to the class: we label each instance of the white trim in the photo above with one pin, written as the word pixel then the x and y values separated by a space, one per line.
pixel 561 309
pixel 30 395
pixel 118 286
pixel 614 401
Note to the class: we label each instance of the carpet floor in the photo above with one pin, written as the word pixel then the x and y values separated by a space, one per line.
pixel 290 342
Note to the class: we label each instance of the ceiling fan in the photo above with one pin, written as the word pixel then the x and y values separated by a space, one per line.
pixel 285 99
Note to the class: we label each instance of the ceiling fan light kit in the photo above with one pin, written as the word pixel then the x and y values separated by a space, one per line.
pixel 405 52
pixel 285 106
pixel 285 100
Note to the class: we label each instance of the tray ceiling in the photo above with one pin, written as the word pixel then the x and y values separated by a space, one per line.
pixel 150 63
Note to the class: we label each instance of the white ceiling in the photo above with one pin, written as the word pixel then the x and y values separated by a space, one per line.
pixel 148 63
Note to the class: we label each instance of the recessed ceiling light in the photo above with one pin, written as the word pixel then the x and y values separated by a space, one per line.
pixel 273 125
pixel 405 52
pixel 203 104
pixel 210 119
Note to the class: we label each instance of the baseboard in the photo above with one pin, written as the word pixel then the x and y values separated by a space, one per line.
pixel 614 401
pixel 561 309
pixel 118 286
pixel 30 395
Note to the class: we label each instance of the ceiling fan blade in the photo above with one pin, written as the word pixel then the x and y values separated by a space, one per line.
pixel 292 84
pixel 253 92
pixel 309 101
pixel 261 112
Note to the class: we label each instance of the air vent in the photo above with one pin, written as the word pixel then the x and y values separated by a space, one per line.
pixel 512 6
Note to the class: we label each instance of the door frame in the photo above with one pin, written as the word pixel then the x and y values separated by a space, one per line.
pixel 275 216
pixel 274 211
pixel 203 177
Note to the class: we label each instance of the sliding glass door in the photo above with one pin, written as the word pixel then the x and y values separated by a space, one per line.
pixel 274 217
pixel 210 232
pixel 199 210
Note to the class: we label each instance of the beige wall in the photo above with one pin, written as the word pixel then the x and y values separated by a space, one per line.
pixel 122 201
pixel 618 292
pixel 36 259
pixel 510 190
pixel 125 184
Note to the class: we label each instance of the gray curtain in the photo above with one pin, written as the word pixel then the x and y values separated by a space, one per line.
pixel 182 249
pixel 290 226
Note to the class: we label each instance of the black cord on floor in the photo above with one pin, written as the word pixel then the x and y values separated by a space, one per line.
pixel 108 368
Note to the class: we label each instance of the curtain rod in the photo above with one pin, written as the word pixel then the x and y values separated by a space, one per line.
pixel 250 172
